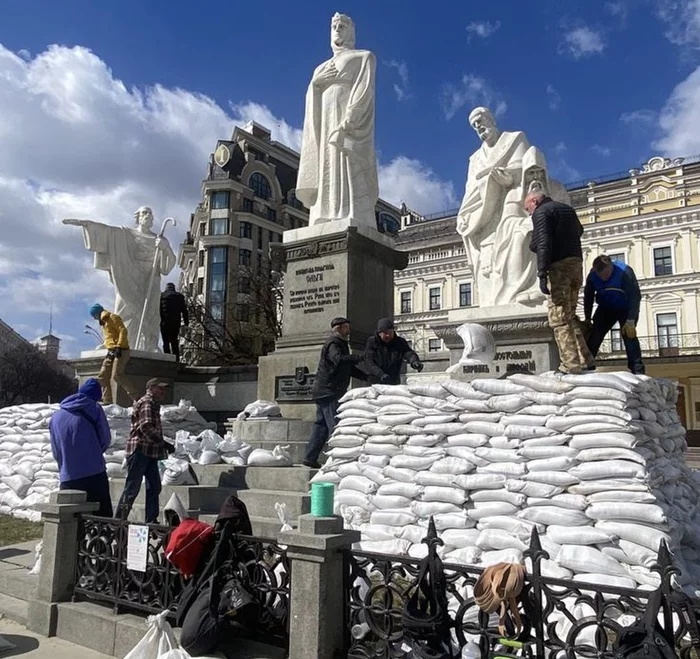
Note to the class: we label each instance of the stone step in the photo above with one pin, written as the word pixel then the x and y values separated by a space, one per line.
pixel 278 431
pixel 296 450
pixel 13 608
pixel 261 503
pixel 18 583
pixel 292 479
pixel 194 497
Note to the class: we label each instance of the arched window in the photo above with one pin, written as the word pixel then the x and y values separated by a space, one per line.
pixel 388 224
pixel 260 185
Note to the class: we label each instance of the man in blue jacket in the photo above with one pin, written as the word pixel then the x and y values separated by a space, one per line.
pixel 79 437
pixel 614 287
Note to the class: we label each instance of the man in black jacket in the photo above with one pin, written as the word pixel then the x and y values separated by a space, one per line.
pixel 556 239
pixel 385 352
pixel 336 367
pixel 173 312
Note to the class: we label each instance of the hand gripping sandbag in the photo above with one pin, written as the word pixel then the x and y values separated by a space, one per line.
pixel 158 640
pixel 498 588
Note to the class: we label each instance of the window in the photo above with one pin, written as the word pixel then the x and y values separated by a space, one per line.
pixel 260 185
pixel 245 230
pixel 663 261
pixel 244 285
pixel 244 256
pixel 260 238
pixel 465 295
pixel 434 345
pixel 617 258
pixel 202 228
pixel 434 294
pixel 260 261
pixel 219 199
pixel 272 214
pixel 247 205
pixel 218 226
pixel 243 313
pixel 218 264
pixel 271 236
pixel 667 330
pixel 406 302
pixel 388 224
pixel 200 258
pixel 200 285
pixel 616 340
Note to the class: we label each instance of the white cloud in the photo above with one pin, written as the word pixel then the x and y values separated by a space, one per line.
pixel 560 148
pixel 618 9
pixel 604 151
pixel 682 19
pixel 554 97
pixel 679 119
pixel 400 89
pixel 280 129
pixel 406 179
pixel 638 117
pixel 473 91
pixel 482 29
pixel 583 42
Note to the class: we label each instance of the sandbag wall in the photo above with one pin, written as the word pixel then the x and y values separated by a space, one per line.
pixel 594 461
pixel 28 472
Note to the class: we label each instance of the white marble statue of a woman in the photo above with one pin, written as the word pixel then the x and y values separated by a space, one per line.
pixel 128 256
pixel 338 168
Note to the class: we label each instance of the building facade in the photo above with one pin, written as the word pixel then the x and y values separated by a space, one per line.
pixel 648 217
pixel 248 201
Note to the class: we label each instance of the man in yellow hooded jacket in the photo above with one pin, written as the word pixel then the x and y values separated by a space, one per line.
pixel 116 340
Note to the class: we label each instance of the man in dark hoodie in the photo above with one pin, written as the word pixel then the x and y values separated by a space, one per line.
pixel 173 313
pixel 336 367
pixel 385 353
pixel 79 437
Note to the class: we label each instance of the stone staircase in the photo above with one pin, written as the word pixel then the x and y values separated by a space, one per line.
pixel 17 586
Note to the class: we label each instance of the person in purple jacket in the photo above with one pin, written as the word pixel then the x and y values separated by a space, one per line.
pixel 79 437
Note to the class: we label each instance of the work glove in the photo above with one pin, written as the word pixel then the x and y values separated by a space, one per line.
pixel 417 365
pixel 117 352
pixel 629 330
pixel 384 379
pixel 543 285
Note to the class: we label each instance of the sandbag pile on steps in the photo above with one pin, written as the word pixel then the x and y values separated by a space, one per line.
pixel 28 472
pixel 594 461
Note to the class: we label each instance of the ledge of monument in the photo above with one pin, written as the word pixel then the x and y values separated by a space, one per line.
pixel 134 354
pixel 337 227
pixel 500 312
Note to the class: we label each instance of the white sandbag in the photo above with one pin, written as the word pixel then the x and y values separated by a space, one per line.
pixel 403 475
pixel 19 484
pixel 435 452
pixel 345 441
pixel 392 420
pixel 452 465
pixel 378 532
pixel 411 462
pixel 463 556
pixel 393 502
pixel 533 453
pixel 260 409
pixel 459 520
pixel 434 419
pixel 501 556
pixel 480 481
pixel 366 411
pixel 378 461
pixel 498 495
pixel 490 539
pixel 550 515
pixel 409 490
pixel 533 489
pixel 511 404
pixel 499 455
pixel 426 478
pixel 638 554
pixel 528 432
pixel 479 510
pixel 444 495
pixel 423 510
pixel 579 535
pixel 504 442
pixel 590 487
pixel 373 472
pixel 376 429
pixel 525 419
pixel 392 390
pixel 424 440
pixel 566 423
pixel 444 429
pixel 589 471
pixel 466 453
pixel 278 457
pixel 571 501
pixel 489 417
pixel 640 534
pixel 605 580
pixel 608 439
pixel 621 496
pixel 209 457
pixel 429 390
pixel 319 477
pixel 609 453
pixel 599 409
pixel 474 405
pixel 484 428
pixel 602 380
pixel 542 384
pixel 561 463
pixel 559 439
pixel 548 398
pixel 582 558
pixel 646 513
pixel 337 453
pixel 412 532
pixel 397 547
pixel 359 484
pixel 498 387
pixel 381 449
pixel 393 439
pixel 508 469
pixel 460 538
pixel 353 498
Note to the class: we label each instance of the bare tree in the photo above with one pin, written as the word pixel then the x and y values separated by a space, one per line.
pixel 240 331
pixel 26 376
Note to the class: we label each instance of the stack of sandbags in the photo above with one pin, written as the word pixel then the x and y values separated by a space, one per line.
pixel 28 472
pixel 595 462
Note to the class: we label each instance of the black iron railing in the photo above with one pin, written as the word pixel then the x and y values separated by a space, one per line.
pixel 102 574
pixel 562 619
pixel 674 345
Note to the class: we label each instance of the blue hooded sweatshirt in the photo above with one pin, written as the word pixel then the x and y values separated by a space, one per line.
pixel 80 434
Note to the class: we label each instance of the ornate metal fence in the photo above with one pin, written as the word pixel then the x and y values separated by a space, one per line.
pixel 561 619
pixel 102 574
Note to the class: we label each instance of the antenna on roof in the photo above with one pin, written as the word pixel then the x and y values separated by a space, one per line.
pixel 51 320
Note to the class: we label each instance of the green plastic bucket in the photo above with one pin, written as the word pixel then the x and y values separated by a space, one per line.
pixel 322 499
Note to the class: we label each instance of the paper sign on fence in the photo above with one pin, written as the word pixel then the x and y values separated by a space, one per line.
pixel 137 548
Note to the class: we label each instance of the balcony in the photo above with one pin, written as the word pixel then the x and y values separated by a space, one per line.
pixel 677 345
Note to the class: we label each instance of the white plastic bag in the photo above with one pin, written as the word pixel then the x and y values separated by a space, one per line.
pixel 281 509
pixel 158 640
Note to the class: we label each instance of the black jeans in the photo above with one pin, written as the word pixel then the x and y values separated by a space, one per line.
pixel 170 333
pixel 326 411
pixel 97 489
pixel 603 321
pixel 140 466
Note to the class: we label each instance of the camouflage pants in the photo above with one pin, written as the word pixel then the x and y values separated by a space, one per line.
pixel 565 280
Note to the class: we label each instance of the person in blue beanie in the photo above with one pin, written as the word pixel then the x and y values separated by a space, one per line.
pixel 79 437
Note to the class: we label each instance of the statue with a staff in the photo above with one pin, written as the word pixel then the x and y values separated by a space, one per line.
pixel 135 259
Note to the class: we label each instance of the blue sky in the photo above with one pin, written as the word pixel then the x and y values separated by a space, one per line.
pixel 107 105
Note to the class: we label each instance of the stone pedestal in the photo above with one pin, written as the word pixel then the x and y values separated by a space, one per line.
pixel 141 367
pixel 332 269
pixel 524 340
pixel 317 615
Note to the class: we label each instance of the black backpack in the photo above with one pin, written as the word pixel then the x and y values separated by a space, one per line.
pixel 645 638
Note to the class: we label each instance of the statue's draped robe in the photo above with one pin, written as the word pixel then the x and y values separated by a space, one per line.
pixel 338 180
pixel 127 255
